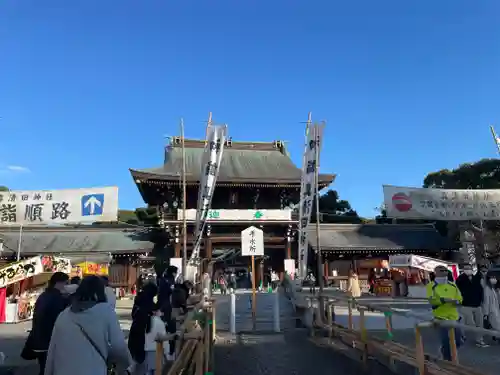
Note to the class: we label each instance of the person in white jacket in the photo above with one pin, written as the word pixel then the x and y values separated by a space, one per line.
pixel 147 328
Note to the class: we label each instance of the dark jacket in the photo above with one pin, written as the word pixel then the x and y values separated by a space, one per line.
pixel 165 288
pixel 48 306
pixel 471 290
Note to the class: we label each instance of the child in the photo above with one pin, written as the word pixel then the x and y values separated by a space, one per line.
pixel 147 328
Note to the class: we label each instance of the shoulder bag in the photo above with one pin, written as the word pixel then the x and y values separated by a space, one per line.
pixel 111 368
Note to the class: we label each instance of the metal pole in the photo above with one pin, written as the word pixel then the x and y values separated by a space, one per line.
pixel 254 295
pixel 18 255
pixel 232 313
pixel 276 311
pixel 495 138
pixel 318 231
pixel 184 219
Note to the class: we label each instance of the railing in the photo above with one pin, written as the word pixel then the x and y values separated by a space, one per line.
pixel 193 342
pixel 386 351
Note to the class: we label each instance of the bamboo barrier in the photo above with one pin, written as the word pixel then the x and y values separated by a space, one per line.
pixel 387 351
pixel 360 345
pixel 194 341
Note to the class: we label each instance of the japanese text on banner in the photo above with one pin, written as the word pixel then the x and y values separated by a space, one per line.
pixel 308 190
pixel 58 206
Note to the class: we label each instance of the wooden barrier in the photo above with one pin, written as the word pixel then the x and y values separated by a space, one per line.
pixel 194 343
pixel 360 345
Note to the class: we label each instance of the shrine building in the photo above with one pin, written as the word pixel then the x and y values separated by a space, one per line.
pixel 258 184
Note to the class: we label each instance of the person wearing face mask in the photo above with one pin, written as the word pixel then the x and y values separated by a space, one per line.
pixel 444 297
pixel 491 302
pixel 471 288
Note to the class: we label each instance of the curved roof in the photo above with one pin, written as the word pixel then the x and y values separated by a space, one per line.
pixel 354 237
pixel 246 162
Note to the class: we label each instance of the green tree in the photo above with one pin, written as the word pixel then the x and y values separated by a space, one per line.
pixel 163 246
pixel 335 210
pixel 483 174
pixel 4 188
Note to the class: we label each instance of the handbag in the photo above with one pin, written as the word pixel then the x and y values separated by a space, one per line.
pixel 111 368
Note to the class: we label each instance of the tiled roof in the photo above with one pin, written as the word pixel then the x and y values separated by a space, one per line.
pixel 77 242
pixel 243 162
pixel 380 237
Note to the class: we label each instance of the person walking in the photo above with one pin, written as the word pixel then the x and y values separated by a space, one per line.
pixel 110 293
pixel 445 298
pixel 222 284
pixel 471 289
pixel 275 279
pixel 232 282
pixel 491 303
pixel 353 287
pixel 47 308
pixel 87 337
pixel 147 328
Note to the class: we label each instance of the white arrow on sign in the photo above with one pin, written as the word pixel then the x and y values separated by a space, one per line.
pixel 92 202
pixel 252 242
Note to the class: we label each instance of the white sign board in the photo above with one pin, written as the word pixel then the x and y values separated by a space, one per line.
pixel 18 271
pixel 441 204
pixel 73 206
pixel 416 261
pixel 239 215
pixel 252 242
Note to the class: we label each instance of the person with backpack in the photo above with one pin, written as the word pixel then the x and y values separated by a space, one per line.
pixel 445 298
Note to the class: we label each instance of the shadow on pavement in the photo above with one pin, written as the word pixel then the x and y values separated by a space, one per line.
pixel 281 354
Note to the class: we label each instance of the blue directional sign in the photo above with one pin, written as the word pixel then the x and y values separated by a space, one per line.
pixel 92 204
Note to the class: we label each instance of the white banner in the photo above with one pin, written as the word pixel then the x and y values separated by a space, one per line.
pixel 30 267
pixel 416 261
pixel 441 204
pixel 239 215
pixel 216 138
pixel 41 207
pixel 314 133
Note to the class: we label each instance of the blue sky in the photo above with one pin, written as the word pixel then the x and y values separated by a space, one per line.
pixel 89 88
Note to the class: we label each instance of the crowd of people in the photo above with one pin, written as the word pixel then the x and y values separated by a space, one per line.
pixel 473 299
pixel 75 328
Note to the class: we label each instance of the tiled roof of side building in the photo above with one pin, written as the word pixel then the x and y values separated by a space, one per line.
pixel 245 162
pixel 67 241
pixel 380 237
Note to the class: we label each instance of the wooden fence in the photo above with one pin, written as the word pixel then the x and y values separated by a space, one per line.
pixel 360 345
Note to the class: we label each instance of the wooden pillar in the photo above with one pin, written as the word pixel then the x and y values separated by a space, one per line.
pixel 178 248
pixel 208 248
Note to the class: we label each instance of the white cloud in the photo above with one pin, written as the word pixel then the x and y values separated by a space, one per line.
pixel 18 169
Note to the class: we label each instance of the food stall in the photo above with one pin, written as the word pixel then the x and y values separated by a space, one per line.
pixel 22 282
pixel 417 269
pixel 90 268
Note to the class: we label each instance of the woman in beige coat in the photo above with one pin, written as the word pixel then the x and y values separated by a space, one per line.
pixel 353 287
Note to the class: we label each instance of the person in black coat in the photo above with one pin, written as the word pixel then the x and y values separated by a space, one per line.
pixel 48 306
pixel 471 288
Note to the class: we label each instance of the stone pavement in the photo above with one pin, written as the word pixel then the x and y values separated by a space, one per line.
pixel 265 352
pixel 13 337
